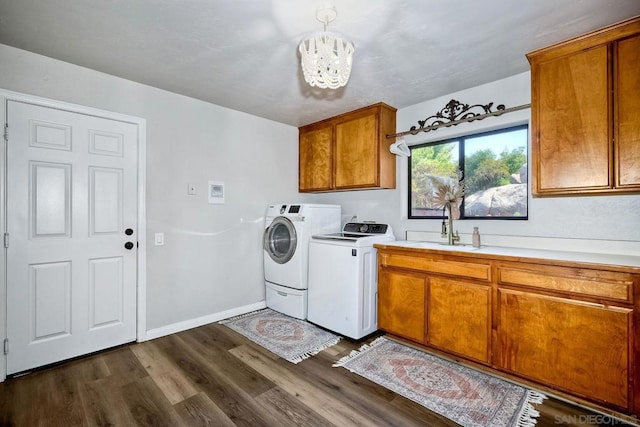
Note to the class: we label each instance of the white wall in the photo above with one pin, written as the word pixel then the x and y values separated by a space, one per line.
pixel 212 258
pixel 591 223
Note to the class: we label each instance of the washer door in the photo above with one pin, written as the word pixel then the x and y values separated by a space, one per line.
pixel 280 240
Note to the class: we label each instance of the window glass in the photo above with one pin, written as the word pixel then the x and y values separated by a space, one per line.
pixel 435 160
pixel 494 168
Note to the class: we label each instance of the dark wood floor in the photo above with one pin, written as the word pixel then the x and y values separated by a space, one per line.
pixel 213 376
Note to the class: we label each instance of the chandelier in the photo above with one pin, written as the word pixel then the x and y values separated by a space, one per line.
pixel 326 58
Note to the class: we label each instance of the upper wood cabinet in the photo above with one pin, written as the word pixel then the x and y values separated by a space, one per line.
pixel 316 154
pixel 585 121
pixel 627 114
pixel 350 151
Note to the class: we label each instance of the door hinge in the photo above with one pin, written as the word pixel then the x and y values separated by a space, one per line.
pixel 6 240
pixel 6 346
pixel 6 132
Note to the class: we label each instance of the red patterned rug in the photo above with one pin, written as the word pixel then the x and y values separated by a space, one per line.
pixel 464 395
pixel 292 339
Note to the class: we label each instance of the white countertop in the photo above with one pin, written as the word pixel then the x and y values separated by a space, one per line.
pixel 592 258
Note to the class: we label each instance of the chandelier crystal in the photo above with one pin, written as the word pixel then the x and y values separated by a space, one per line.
pixel 326 58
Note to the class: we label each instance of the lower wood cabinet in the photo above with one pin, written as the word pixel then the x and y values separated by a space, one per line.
pixel 459 317
pixel 404 304
pixel 575 346
pixel 569 327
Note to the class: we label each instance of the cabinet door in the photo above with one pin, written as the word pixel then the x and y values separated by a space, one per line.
pixel 459 317
pixel 572 147
pixel 357 152
pixel 315 168
pixel 627 92
pixel 402 304
pixel 575 346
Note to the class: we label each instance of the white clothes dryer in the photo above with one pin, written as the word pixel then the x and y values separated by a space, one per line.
pixel 288 230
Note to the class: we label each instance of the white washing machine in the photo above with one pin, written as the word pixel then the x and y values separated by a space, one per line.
pixel 343 279
pixel 288 230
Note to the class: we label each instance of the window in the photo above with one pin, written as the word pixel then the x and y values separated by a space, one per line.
pixel 494 168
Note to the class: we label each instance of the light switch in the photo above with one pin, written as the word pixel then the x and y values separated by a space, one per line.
pixel 159 237
pixel 192 190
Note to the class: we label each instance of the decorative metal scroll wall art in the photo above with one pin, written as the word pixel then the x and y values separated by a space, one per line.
pixel 455 113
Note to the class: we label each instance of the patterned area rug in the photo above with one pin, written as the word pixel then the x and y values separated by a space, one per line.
pixel 466 396
pixel 292 339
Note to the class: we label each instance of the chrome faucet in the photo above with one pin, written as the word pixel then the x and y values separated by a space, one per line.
pixel 452 237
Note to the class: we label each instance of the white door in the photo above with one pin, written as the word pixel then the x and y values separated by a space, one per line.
pixel 71 208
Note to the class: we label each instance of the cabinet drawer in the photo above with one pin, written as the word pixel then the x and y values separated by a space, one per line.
pixel 461 268
pixel 592 283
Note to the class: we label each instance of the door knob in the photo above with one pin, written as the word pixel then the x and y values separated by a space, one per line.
pixel 128 231
pixel 128 245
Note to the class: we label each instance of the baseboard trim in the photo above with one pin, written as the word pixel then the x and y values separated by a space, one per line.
pixel 204 320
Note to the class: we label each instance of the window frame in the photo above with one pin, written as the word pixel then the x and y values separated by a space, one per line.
pixel 461 164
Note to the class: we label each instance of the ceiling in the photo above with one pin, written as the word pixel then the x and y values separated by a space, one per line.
pixel 242 54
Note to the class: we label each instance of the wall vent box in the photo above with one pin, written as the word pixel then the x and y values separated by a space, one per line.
pixel 216 192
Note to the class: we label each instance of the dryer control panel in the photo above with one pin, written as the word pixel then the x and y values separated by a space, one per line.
pixel 365 227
